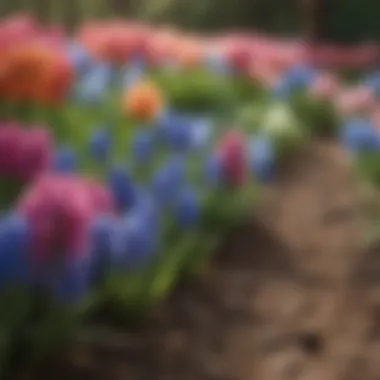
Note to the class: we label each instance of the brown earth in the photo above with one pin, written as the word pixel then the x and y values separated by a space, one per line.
pixel 294 295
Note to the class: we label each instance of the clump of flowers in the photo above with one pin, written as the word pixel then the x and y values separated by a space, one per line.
pixel 24 153
pixel 60 210
pixel 33 67
pixel 115 42
pixel 143 102
pixel 35 72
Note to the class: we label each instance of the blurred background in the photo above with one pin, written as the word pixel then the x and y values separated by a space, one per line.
pixel 339 21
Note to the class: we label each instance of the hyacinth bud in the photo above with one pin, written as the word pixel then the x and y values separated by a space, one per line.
pixel 232 153
pixel 100 144
pixel 188 209
pixel 14 250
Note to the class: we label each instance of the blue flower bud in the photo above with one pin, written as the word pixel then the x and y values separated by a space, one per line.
pixel 358 135
pixel 301 77
pixel 14 250
pixel 100 144
pixel 79 57
pixel 65 160
pixel 175 131
pixel 92 90
pixel 136 242
pixel 201 132
pixel 101 242
pixel 180 137
pixel 188 209
pixel 143 146
pixel 123 188
pixel 148 208
pixel 262 158
pixel 168 181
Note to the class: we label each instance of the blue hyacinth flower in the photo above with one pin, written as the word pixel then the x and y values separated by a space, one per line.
pixel 168 181
pixel 201 133
pixel 65 160
pixel 163 125
pixel 358 135
pixel 101 241
pixel 179 136
pixel 136 241
pixel 14 250
pixel 301 77
pixel 175 131
pixel 92 89
pixel 123 188
pixel 213 171
pixel 188 209
pixel 79 58
pixel 143 146
pixel 73 284
pixel 262 158
pixel 100 144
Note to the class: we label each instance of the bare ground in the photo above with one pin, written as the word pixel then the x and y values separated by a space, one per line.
pixel 294 295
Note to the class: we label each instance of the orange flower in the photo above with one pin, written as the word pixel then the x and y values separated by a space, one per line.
pixel 35 72
pixel 144 102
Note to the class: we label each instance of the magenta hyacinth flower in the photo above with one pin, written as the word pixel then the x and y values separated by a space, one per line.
pixel 60 210
pixel 233 158
pixel 10 152
pixel 36 153
pixel 24 153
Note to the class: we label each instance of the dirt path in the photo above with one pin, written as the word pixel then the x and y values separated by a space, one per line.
pixel 292 296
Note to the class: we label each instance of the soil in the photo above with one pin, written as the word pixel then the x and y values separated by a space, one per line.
pixel 293 295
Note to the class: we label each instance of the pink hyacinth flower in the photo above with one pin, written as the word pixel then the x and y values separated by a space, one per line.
pixel 36 149
pixel 232 154
pixel 60 210
pixel 24 153
pixel 10 137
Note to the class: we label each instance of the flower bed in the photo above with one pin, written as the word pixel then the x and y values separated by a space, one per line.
pixel 127 155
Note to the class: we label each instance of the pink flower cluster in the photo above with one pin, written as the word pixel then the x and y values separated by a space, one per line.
pixel 233 158
pixel 114 41
pixel 60 210
pixel 24 153
pixel 348 101
pixel 246 52
pixel 338 57
pixel 118 41
pixel 23 29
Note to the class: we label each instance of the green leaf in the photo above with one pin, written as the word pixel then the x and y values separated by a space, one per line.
pixel 171 266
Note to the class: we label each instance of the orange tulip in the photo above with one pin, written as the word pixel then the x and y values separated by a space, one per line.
pixel 144 102
pixel 35 72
